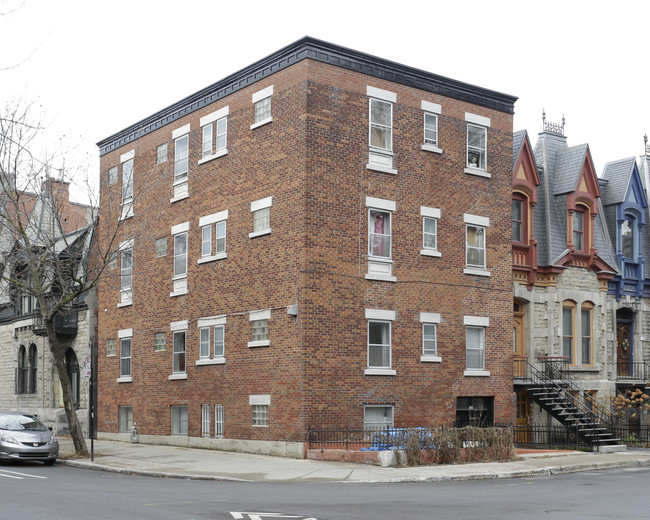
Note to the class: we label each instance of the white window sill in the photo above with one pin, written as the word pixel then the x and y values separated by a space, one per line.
pixel 478 172
pixel 214 156
pixel 584 368
pixel 260 425
pixel 213 361
pixel 261 123
pixel 181 197
pixel 206 259
pixel 124 379
pixel 379 372
pixel 428 358
pixel 431 148
pixel 259 343
pixel 430 252
pixel 380 278
pixel 178 293
pixel 477 373
pixel 178 377
pixel 259 233
pixel 125 304
pixel 476 272
pixel 381 168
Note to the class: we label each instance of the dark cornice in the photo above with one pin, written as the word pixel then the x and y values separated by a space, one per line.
pixel 318 50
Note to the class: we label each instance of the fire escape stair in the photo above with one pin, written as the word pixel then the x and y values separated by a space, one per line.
pixel 554 398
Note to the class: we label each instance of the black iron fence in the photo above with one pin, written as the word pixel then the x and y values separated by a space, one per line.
pixel 547 437
pixel 633 371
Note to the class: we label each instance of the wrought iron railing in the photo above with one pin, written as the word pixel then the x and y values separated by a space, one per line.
pixel 633 371
pixel 63 323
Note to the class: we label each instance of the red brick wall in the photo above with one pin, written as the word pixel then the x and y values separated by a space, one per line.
pixel 312 160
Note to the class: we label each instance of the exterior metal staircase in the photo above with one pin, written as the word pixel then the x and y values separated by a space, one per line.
pixel 554 392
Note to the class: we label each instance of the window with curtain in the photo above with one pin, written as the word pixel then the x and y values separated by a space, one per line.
pixel 429 344
pixel 127 181
pixel 430 233
pixel 579 230
pixel 475 252
pixel 179 352
pixel 476 146
pixel 379 233
pixel 126 279
pixel 180 255
pixel 627 238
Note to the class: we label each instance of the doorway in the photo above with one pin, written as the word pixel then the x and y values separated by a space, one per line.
pixel 624 343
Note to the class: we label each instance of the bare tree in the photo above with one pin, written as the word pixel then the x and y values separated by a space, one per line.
pixel 45 258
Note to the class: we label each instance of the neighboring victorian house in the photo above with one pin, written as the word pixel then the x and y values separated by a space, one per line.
pixel 28 380
pixel 324 246
pixel 626 207
pixel 560 295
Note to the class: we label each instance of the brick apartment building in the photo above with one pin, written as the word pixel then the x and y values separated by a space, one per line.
pixel 321 239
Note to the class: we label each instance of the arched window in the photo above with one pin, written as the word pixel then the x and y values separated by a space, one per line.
pixel 579 225
pixel 32 360
pixel 72 367
pixel 586 332
pixel 22 371
pixel 568 321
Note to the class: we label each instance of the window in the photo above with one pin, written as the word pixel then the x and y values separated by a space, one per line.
pixel 127 269
pixel 430 218
pixel 179 420
pixel 260 408
pixel 159 341
pixel 260 415
pixel 380 213
pixel 218 421
pixel 111 347
pixel 627 238
pixel 475 345
pixel 161 247
pixel 568 311
pixel 181 151
pixel 161 154
pixel 260 328
pixel 261 210
pixel 179 278
pixel 125 357
pixel 125 336
pixel 577 320
pixel 211 340
pixel 21 375
pixel 206 420
pixel 476 146
pixel 474 411
pixel 586 332
pixel 125 419
pixel 111 265
pixel 379 346
pixel 517 220
pixel 215 131
pixel 431 113
pixel 262 104
pixel 475 229
pixel 127 181
pixel 213 249
pixel 32 366
pixel 179 352
pixel 381 125
pixel 578 230
pixel 112 175
pixel 429 322
pixel 379 233
pixel 376 417
pixel 126 273
pixel 475 247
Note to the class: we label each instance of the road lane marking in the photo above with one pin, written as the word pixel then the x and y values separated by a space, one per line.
pixel 21 475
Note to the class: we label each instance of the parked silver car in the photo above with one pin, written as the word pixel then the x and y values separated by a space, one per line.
pixel 25 437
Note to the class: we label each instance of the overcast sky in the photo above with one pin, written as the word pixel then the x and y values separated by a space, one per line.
pixel 96 67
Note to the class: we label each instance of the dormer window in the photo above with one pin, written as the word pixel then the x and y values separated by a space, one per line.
pixel 579 230
pixel 627 239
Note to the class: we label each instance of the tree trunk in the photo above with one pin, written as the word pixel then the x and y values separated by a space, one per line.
pixel 58 353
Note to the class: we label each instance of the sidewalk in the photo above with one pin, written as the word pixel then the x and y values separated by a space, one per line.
pixel 176 462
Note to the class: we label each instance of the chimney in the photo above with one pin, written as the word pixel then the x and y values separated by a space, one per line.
pixel 59 194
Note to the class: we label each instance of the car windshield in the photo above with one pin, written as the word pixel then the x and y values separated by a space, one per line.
pixel 16 423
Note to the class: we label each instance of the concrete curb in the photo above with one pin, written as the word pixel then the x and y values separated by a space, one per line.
pixel 147 473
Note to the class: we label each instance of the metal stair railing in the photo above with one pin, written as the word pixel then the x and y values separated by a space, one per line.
pixel 553 376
